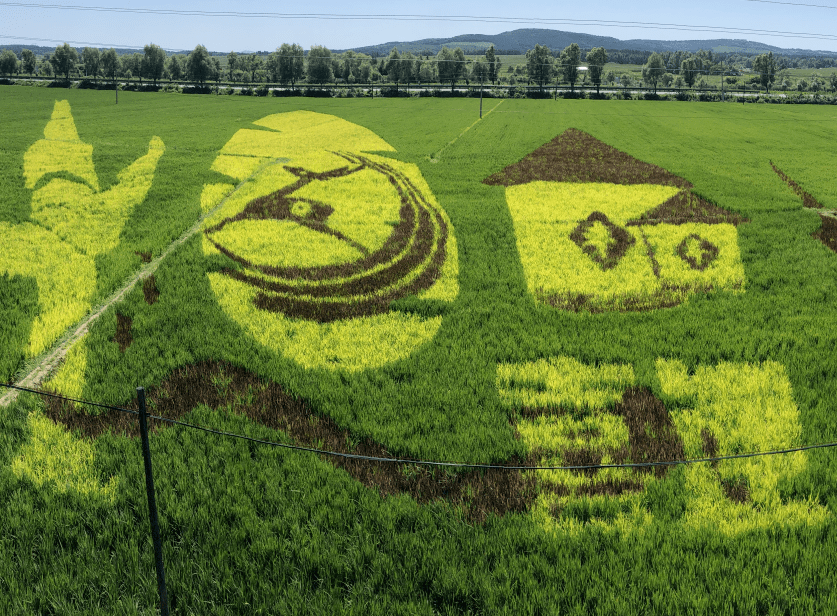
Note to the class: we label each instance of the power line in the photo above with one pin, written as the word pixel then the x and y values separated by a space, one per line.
pixel 446 18
pixel 818 6
pixel 352 456
pixel 87 43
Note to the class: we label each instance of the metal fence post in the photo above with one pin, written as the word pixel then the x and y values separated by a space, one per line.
pixel 152 506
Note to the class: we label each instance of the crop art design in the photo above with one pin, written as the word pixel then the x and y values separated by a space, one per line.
pixel 599 230
pixel 571 414
pixel 827 233
pixel 72 222
pixel 325 235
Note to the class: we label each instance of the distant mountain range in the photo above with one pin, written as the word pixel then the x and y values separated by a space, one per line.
pixel 520 41
pixel 41 50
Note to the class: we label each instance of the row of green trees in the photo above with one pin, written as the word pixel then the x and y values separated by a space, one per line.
pixel 765 71
pixel 66 61
pixel 289 65
pixel 541 67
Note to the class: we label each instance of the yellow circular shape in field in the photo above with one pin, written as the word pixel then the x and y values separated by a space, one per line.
pixel 325 235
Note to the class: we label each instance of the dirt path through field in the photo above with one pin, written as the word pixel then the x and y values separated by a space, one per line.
pixel 435 157
pixel 51 359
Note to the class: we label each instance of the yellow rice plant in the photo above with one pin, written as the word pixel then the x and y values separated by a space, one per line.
pixel 323 133
pixel 348 345
pixel 562 382
pixel 747 407
pixel 744 407
pixel 92 221
pixel 53 457
pixel 60 150
pixel 73 221
pixel 282 243
pixel 556 202
pixel 69 379
pixel 238 167
pixel 633 518
pixel 212 195
pixel 725 272
pixel 647 270
pixel 269 178
pixel 66 279
pixel 364 206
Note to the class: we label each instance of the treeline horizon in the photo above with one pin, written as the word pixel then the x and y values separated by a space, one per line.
pixel 289 64
pixel 617 55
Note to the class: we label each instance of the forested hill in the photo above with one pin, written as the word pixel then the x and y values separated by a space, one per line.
pixel 524 39
pixel 520 41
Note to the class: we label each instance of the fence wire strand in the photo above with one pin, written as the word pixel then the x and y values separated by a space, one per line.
pixel 353 456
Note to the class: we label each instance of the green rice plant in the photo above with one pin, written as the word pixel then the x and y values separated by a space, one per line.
pixel 249 528
pixel 18 305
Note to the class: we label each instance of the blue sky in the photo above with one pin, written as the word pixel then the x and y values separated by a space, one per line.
pixel 23 24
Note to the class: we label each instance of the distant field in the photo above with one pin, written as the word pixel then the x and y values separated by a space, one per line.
pixel 562 283
pixel 635 72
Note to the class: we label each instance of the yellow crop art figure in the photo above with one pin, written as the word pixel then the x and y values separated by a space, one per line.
pixel 599 230
pixel 72 222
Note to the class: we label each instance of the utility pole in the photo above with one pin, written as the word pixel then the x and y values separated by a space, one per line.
pixel 480 98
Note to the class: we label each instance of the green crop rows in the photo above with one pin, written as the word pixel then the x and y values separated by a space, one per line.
pixel 560 283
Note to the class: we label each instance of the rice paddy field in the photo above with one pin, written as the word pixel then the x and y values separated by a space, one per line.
pixel 561 283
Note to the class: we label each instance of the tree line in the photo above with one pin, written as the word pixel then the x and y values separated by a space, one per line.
pixel 289 64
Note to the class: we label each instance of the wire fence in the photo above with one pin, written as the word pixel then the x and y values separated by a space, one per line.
pixel 432 463
pixel 149 479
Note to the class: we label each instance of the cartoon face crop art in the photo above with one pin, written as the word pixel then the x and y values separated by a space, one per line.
pixel 599 230
pixel 325 235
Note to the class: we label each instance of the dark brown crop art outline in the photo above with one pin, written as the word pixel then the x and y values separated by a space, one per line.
pixel 708 252
pixel 827 233
pixel 575 156
pixel 620 241
pixel 478 492
pixel 359 288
